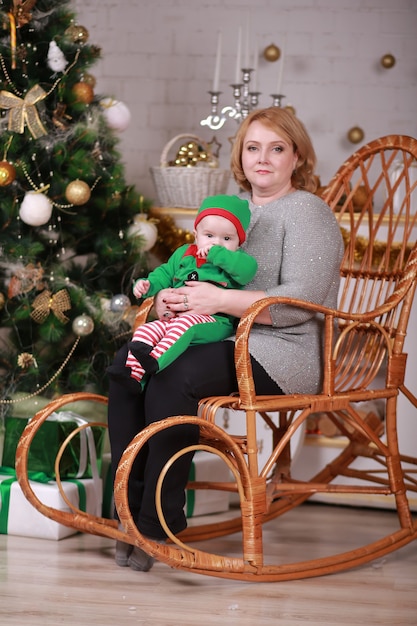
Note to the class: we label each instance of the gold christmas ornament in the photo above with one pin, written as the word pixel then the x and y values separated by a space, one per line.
pixel 190 154
pixel 77 192
pixel 355 134
pixel 7 173
pixel 83 325
pixel 77 33
pixel 272 53
pixel 2 300
pixel 90 80
pixel 290 108
pixel 388 61
pixel 83 92
pixel 47 302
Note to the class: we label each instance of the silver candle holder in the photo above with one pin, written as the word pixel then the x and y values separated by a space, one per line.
pixel 244 101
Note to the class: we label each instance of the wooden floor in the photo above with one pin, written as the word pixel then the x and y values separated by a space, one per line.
pixel 75 581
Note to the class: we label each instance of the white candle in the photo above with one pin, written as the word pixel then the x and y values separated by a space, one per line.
pixel 255 68
pixel 218 62
pixel 281 69
pixel 246 66
pixel 238 55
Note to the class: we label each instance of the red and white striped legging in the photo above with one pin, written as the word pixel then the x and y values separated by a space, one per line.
pixel 163 335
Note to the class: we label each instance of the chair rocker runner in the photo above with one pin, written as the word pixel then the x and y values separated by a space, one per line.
pixel 374 198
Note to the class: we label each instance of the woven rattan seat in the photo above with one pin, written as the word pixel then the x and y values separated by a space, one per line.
pixel 374 198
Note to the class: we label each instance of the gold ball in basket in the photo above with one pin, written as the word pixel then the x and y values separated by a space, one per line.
pixel 7 173
pixel 83 92
pixel 77 192
pixel 189 154
pixel 355 134
pixel 388 61
pixel 272 53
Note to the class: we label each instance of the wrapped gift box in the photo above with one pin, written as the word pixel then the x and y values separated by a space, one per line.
pixel 19 517
pixel 81 457
pixel 207 467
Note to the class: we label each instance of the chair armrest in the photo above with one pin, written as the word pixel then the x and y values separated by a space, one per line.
pixel 246 322
pixel 143 313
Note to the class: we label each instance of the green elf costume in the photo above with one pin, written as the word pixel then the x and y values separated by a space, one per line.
pixel 156 344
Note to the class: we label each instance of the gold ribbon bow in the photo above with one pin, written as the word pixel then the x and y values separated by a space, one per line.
pixel 23 110
pixel 47 302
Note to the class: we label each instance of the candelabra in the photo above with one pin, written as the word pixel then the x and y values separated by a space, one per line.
pixel 245 101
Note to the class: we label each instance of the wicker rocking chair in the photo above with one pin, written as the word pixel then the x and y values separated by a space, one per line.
pixel 374 197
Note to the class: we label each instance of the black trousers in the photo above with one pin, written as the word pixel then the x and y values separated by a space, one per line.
pixel 202 371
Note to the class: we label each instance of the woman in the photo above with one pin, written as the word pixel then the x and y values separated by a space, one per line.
pixel 296 241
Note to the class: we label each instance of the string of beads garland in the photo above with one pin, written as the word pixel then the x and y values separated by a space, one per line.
pixel 49 382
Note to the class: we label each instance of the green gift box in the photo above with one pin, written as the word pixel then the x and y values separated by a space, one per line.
pixel 80 454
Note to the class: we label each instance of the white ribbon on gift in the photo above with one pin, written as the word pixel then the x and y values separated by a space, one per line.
pixel 87 451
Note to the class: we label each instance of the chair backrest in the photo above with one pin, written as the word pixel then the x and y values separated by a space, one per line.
pixel 374 196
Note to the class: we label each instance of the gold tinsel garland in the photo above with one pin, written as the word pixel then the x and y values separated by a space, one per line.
pixel 170 237
pixel 378 251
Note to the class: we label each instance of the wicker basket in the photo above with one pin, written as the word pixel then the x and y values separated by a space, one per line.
pixel 187 187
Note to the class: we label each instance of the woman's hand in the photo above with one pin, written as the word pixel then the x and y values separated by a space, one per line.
pixel 196 297
pixel 207 299
pixel 160 307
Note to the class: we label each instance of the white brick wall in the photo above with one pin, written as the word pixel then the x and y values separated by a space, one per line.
pixel 158 57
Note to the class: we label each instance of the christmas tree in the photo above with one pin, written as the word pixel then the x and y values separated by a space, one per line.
pixel 70 245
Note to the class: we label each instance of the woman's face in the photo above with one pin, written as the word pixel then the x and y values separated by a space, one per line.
pixel 268 161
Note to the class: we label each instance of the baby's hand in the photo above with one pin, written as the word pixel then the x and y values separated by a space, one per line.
pixel 204 250
pixel 141 287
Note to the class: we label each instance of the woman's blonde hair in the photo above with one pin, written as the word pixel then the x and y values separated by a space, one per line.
pixel 285 124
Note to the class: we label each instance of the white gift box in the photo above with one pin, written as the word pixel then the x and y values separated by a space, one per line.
pixel 24 520
pixel 210 468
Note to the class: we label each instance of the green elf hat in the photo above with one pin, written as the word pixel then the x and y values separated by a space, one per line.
pixel 232 208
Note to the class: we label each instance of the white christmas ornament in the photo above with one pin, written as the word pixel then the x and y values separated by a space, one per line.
pixel 56 59
pixel 83 325
pixel 116 114
pixel 119 303
pixel 145 229
pixel 36 209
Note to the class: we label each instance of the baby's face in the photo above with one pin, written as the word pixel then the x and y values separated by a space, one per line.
pixel 216 230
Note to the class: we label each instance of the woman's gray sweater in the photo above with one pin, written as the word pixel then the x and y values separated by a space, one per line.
pixel 298 245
